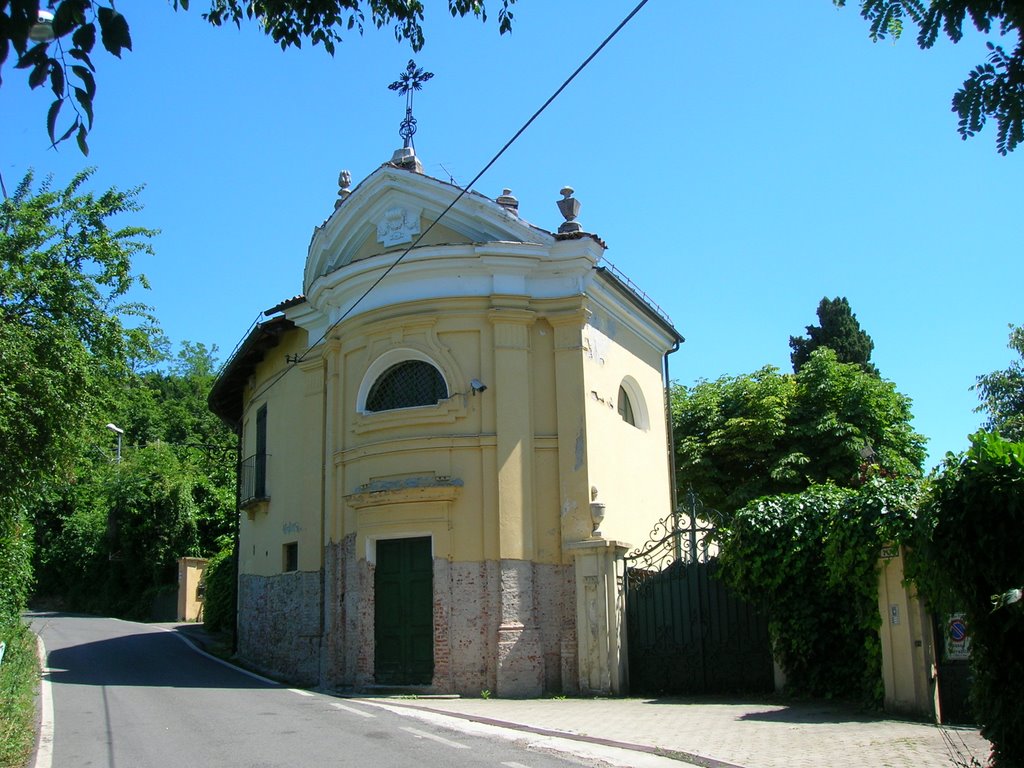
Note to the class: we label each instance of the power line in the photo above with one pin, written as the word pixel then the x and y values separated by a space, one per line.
pixel 462 192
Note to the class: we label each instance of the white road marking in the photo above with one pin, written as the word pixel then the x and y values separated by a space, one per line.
pixel 300 692
pixel 44 752
pixel 424 735
pixel 515 765
pixel 351 710
pixel 211 657
pixel 615 756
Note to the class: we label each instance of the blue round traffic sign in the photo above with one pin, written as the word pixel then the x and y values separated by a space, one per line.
pixel 957 630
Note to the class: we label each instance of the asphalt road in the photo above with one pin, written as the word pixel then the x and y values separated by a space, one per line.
pixel 127 695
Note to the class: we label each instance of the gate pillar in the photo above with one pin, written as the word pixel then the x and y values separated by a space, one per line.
pixel 600 616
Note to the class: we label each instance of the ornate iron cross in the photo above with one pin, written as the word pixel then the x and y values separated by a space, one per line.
pixel 409 81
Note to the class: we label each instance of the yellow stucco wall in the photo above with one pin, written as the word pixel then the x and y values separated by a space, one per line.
pixel 505 473
pixel 627 464
pixel 294 446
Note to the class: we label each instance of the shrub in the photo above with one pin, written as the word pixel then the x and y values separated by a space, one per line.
pixel 220 583
pixel 19 675
pixel 15 567
pixel 970 546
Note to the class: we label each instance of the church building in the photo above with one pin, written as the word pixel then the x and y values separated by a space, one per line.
pixel 448 441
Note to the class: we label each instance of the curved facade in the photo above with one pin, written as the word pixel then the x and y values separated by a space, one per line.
pixel 426 435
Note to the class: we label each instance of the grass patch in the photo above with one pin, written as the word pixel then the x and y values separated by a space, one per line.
pixel 19 677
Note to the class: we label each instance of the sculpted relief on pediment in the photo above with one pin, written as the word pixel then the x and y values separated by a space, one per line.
pixel 399 225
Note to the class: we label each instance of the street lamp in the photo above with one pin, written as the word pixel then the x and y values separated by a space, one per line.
pixel 119 431
pixel 42 30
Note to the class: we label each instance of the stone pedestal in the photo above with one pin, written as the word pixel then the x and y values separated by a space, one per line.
pixel 600 615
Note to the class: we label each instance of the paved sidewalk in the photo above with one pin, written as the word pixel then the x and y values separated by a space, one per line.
pixel 720 734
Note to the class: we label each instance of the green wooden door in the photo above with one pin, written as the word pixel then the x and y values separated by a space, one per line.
pixel 404 612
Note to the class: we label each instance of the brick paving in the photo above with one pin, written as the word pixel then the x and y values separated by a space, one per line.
pixel 719 734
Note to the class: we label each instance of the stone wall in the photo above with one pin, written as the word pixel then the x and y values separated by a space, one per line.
pixel 279 625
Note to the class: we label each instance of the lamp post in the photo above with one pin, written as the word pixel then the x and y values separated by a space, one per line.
pixel 119 431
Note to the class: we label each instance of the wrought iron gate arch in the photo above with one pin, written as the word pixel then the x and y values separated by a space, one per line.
pixel 686 632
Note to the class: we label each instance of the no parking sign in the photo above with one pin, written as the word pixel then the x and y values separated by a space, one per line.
pixel 958 643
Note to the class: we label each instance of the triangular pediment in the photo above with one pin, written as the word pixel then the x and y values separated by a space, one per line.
pixel 393 207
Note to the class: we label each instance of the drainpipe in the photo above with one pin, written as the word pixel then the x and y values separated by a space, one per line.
pixel 671 441
pixel 324 364
pixel 236 556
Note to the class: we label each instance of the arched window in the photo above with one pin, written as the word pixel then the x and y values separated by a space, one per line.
pixel 631 406
pixel 626 407
pixel 407 384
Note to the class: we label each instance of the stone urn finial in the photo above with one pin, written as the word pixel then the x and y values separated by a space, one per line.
pixel 344 182
pixel 569 207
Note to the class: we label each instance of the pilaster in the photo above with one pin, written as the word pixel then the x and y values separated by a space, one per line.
pixel 512 392
pixel 520 672
pixel 570 389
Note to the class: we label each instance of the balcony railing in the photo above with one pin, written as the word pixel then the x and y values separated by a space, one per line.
pixel 253 479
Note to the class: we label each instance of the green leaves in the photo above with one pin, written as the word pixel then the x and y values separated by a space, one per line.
pixel 85 38
pixel 287 22
pixel 63 270
pixel 1002 393
pixel 809 560
pixel 993 89
pixel 114 30
pixel 970 550
pixel 739 438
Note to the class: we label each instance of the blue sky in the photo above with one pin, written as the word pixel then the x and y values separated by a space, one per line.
pixel 741 160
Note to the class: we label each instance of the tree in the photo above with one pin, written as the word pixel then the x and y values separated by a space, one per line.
pixel 839 331
pixel 1002 393
pixel 107 534
pixel 740 438
pixel 993 89
pixel 730 437
pixel 63 271
pixel 64 61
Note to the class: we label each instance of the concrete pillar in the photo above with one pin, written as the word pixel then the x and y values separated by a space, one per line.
pixel 190 602
pixel 600 615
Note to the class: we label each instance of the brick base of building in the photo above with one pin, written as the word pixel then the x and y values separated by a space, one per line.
pixel 508 627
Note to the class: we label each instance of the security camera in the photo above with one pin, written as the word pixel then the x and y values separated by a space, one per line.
pixel 477 386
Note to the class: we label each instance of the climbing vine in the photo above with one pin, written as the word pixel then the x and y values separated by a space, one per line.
pixel 809 559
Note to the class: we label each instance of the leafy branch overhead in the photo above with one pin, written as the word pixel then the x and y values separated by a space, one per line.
pixel 59 51
pixel 61 55
pixel 994 89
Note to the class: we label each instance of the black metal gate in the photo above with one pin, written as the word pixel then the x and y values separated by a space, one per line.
pixel 686 632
